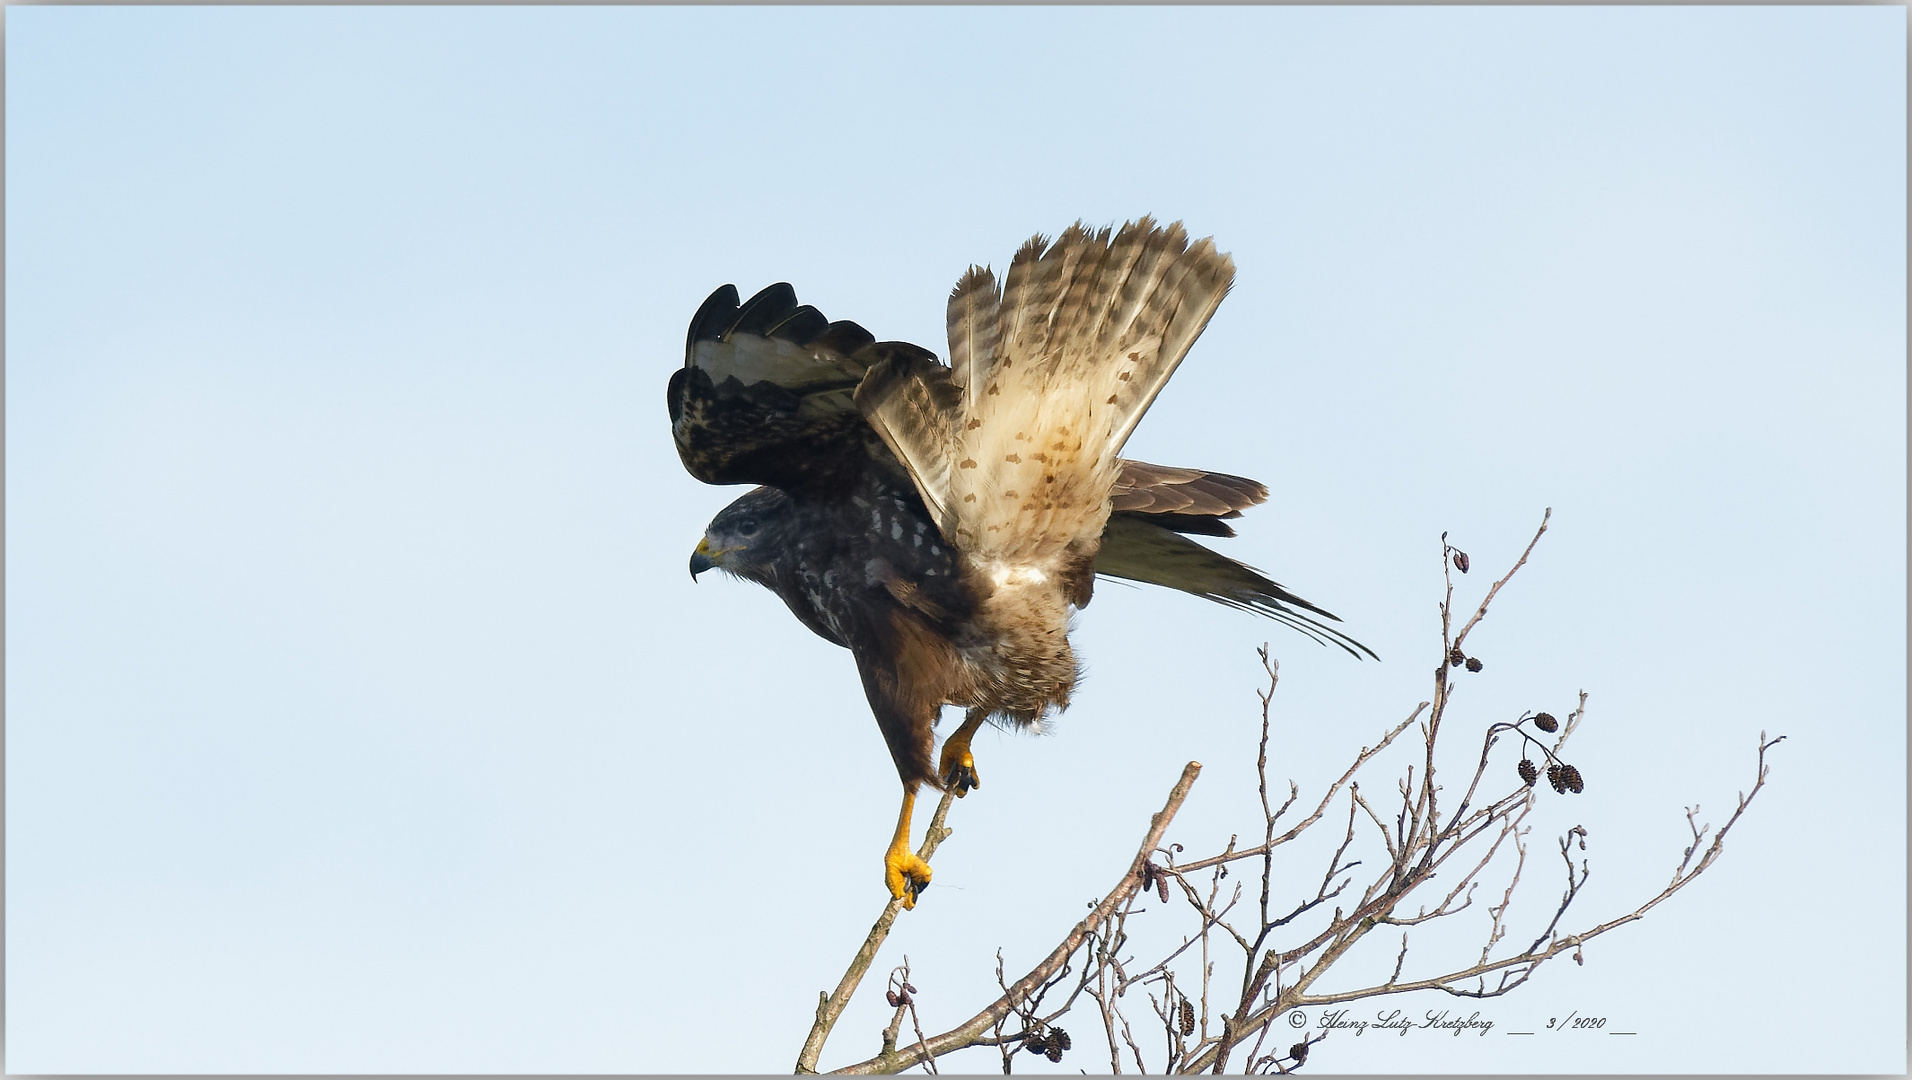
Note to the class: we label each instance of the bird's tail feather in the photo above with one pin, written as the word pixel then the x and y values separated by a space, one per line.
pixel 1137 549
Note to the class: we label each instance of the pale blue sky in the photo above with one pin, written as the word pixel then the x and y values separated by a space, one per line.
pixel 361 714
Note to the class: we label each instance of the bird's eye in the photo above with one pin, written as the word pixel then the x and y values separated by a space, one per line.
pixel 747 527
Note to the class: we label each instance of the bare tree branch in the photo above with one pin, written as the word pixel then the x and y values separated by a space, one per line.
pixel 1289 941
pixel 831 1005
pixel 970 1031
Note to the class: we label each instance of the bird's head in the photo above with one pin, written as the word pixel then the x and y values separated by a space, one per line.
pixel 746 537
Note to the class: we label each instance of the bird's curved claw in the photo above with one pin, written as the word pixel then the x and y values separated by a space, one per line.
pixel 958 770
pixel 905 874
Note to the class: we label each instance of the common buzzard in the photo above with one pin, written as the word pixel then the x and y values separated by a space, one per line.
pixel 942 521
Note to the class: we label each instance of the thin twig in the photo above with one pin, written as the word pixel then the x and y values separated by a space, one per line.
pixel 971 1031
pixel 830 1006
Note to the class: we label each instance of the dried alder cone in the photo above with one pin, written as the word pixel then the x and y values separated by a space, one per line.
pixel 1564 778
pixel 1554 776
pixel 1050 1046
pixel 1153 879
pixel 1188 1017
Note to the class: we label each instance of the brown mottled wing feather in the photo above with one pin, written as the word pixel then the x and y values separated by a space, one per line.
pixel 909 400
pixel 767 394
pixel 1137 549
pixel 1185 500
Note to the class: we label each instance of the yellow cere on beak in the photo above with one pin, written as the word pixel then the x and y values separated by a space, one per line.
pixel 703 558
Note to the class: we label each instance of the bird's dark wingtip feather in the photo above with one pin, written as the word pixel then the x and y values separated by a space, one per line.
pixel 802 326
pixel 844 338
pixel 773 304
pixel 718 310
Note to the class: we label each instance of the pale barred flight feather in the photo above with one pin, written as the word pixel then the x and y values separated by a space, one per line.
pixel 1085 333
pixel 972 326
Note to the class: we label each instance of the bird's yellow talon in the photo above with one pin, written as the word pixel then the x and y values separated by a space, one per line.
pixel 957 766
pixel 960 775
pixel 905 874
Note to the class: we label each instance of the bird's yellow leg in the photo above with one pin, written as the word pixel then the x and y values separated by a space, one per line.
pixel 905 874
pixel 958 767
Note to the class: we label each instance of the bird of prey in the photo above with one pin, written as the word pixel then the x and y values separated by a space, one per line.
pixel 942 521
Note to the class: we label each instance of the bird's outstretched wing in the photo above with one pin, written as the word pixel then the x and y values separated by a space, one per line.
pixel 767 394
pixel 1136 548
pixel 1013 447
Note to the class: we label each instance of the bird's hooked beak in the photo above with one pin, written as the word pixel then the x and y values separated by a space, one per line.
pixel 702 559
